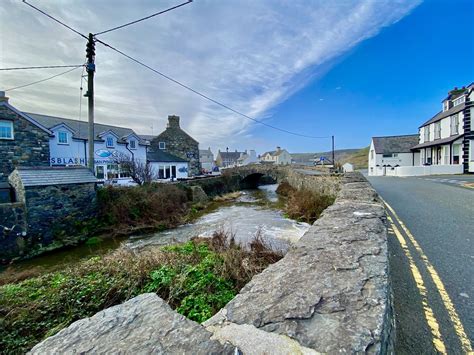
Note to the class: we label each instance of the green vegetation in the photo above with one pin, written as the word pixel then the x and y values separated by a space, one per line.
pixel 304 205
pixel 196 278
pixel 359 159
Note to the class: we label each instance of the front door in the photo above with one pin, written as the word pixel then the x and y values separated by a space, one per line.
pixel 438 155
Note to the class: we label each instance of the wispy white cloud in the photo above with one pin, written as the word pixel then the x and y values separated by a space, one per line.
pixel 251 55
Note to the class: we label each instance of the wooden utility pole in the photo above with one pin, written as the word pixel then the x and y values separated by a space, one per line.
pixel 90 50
pixel 333 155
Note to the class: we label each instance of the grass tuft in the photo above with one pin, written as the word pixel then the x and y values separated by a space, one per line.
pixel 196 278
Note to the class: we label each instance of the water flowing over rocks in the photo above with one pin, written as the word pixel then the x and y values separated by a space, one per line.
pixel 329 294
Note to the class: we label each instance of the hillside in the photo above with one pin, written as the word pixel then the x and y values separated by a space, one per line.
pixel 358 157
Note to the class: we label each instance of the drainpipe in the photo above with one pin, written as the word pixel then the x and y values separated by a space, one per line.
pixel 85 155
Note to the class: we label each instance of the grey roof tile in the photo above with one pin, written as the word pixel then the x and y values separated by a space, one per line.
pixel 46 176
pixel 395 144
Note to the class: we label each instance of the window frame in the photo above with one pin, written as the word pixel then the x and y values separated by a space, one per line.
pixel 426 132
pixel 162 145
pixel 437 130
pixel 134 146
pixel 454 124
pixel 459 100
pixel 12 133
pixel 59 137
pixel 107 145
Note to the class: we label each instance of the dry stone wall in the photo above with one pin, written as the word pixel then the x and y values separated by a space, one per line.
pixel 329 294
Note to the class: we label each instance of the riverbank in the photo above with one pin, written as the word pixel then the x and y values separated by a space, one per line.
pixel 197 278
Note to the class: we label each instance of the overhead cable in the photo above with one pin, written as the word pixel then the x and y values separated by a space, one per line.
pixel 205 96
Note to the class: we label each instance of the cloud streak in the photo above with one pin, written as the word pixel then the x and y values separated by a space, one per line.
pixel 250 55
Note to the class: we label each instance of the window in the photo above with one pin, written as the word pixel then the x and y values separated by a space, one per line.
pixel 427 133
pixel 371 155
pixel 387 155
pixel 110 142
pixel 456 151
pixel 162 145
pixel 454 124
pixel 133 144
pixel 446 105
pixel 112 171
pixel 6 130
pixel 62 137
pixel 99 172
pixel 459 101
pixel 437 130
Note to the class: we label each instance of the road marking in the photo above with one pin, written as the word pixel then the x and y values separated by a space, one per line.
pixel 428 311
pixel 448 304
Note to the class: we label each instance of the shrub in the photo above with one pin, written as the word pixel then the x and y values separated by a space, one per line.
pixel 197 278
pixel 304 205
pixel 151 205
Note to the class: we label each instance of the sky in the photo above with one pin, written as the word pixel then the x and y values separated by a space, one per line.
pixel 352 69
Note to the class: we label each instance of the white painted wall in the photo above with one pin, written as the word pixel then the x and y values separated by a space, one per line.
pixel 181 169
pixel 428 170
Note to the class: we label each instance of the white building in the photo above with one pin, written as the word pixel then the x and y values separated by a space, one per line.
pixel 446 141
pixel 388 153
pixel 278 157
pixel 165 166
pixel 206 157
pixel 247 158
pixel 69 145
pixel 348 168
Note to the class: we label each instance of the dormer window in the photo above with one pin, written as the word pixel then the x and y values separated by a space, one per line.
pixel 6 130
pixel 459 100
pixel 162 145
pixel 133 144
pixel 446 105
pixel 62 137
pixel 109 143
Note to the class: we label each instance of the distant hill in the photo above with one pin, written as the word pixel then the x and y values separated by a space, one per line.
pixel 357 156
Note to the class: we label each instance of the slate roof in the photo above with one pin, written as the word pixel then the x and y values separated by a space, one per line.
pixel 274 153
pixel 46 176
pixel 160 156
pixel 395 144
pixel 438 142
pixel 440 115
pixel 230 156
pixel 81 128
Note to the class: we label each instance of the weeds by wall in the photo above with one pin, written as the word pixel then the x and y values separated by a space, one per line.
pixel 303 204
pixel 197 279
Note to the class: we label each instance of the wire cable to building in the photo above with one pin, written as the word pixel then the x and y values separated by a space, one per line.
pixel 143 18
pixel 42 80
pixel 207 97
pixel 55 19
pixel 44 67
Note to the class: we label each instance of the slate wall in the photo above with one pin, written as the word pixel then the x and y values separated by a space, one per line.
pixel 30 146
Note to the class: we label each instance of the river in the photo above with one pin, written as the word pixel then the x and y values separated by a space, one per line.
pixel 252 213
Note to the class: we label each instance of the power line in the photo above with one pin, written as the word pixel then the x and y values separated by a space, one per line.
pixel 44 67
pixel 55 19
pixel 143 18
pixel 205 96
pixel 42 80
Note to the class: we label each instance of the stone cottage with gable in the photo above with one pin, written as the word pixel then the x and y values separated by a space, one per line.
pixel 23 141
pixel 175 141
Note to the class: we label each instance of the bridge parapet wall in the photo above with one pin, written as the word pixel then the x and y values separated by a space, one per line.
pixel 329 294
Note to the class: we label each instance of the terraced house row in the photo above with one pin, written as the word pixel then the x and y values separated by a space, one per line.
pixel 35 140
pixel 444 143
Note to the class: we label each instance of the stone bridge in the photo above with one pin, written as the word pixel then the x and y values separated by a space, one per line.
pixel 255 174
pixel 329 294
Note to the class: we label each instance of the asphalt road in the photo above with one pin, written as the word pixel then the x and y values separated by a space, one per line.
pixel 439 216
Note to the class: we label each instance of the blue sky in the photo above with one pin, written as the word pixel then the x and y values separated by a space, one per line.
pixel 349 68
pixel 391 83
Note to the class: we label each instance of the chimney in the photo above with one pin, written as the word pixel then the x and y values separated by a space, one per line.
pixel 278 149
pixel 173 121
pixel 3 97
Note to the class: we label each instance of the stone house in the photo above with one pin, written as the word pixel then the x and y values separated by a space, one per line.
pixel 277 157
pixel 227 159
pixel 247 158
pixel 175 141
pixel 23 141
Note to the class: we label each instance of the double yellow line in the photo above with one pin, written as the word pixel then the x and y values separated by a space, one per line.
pixel 448 304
